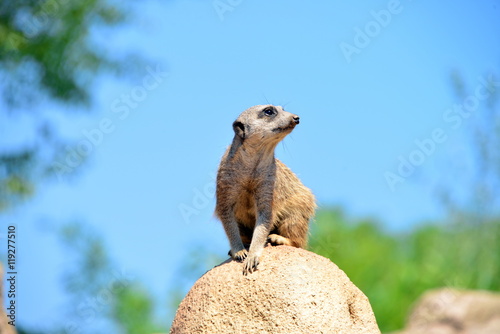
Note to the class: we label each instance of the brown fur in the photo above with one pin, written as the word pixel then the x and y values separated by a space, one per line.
pixel 258 197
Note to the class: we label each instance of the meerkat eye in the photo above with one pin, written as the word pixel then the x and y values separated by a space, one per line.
pixel 269 111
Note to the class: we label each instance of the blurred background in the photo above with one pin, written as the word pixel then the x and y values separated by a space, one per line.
pixel 114 115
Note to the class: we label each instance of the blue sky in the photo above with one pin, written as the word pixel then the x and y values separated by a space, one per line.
pixel 163 135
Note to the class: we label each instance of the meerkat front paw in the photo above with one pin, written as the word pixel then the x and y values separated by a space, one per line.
pixel 250 264
pixel 239 255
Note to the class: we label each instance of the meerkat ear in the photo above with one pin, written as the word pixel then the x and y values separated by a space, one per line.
pixel 239 129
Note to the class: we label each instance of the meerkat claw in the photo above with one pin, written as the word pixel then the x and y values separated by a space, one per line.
pixel 250 264
pixel 239 255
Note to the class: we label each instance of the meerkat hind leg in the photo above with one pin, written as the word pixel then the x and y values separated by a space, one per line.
pixel 276 239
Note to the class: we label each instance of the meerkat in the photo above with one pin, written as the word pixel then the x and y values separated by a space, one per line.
pixel 259 199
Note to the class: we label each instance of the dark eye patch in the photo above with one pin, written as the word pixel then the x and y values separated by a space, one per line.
pixel 269 111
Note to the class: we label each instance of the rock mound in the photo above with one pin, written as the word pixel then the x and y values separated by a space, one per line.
pixel 293 291
pixel 449 311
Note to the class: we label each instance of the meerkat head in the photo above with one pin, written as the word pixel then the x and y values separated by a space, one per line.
pixel 264 124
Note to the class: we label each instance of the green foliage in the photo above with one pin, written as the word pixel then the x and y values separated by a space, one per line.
pixel 90 267
pixel 46 46
pixel 477 192
pixel 98 292
pixel 393 270
pixel 49 51
pixel 133 311
pixel 15 185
